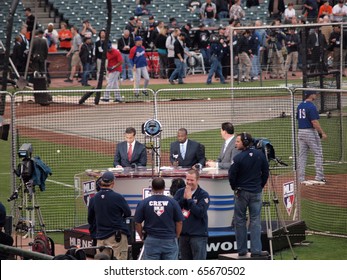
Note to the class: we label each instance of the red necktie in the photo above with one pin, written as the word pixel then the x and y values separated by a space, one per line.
pixel 130 152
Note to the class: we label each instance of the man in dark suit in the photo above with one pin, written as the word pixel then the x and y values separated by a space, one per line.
pixel 130 153
pixel 228 150
pixel 185 152
pixel 39 53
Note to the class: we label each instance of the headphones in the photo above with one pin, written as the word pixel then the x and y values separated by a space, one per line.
pixel 246 141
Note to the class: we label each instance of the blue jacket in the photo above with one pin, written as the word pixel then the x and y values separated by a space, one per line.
pixel 108 210
pixel 196 225
pixel 41 172
pixel 249 171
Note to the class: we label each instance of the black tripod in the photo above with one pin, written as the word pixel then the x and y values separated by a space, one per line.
pixel 267 206
pixel 154 145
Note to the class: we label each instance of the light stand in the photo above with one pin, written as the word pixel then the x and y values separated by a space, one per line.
pixel 152 130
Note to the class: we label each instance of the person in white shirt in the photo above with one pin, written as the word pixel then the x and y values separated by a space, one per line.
pixel 339 11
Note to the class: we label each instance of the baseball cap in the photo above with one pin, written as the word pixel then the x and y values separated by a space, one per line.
pixel 138 38
pixel 308 93
pixel 132 18
pixel 151 17
pixel 189 24
pixel 50 24
pixel 107 178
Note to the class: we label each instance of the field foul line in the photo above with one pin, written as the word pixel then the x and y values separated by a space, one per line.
pixel 60 183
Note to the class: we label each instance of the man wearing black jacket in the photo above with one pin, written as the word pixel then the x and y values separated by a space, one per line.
pixel 194 202
pixel 107 210
pixel 248 175
pixel 87 59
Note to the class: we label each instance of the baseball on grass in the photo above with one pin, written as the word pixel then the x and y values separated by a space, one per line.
pixel 58 151
pixel 208 98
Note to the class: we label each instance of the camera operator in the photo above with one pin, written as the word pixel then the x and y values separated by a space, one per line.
pixel 244 53
pixel 274 44
pixel 248 175
pixel 108 210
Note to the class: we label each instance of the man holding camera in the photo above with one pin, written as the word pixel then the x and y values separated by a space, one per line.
pixel 248 175
pixel 108 210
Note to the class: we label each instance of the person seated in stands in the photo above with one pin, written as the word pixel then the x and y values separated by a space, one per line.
pixel 185 152
pixel 289 13
pixel 236 12
pixel 222 8
pixel 52 37
pixel 208 13
pixel 141 10
pixel 130 153
pixel 325 9
pixel 194 6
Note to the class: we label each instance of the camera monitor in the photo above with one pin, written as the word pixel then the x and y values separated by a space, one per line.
pixel 25 150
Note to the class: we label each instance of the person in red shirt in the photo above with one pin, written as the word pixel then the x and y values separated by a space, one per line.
pixel 65 37
pixel 325 9
pixel 114 68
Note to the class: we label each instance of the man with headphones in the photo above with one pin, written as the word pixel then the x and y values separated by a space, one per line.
pixel 248 175
pixel 108 210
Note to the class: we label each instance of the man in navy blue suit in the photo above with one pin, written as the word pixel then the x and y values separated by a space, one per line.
pixel 130 153
pixel 185 152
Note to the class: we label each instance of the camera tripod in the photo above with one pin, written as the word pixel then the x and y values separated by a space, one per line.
pixel 24 196
pixel 271 49
pixel 267 206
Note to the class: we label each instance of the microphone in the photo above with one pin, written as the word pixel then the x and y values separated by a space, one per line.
pixel 134 166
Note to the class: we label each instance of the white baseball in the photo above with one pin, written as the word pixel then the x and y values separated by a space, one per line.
pixel 58 151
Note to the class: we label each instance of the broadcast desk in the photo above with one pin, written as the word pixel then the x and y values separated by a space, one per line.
pixel 133 185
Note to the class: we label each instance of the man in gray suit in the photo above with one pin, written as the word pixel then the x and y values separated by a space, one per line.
pixel 130 153
pixel 228 150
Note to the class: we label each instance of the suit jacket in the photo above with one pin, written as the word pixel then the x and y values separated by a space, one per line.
pixel 195 153
pixel 226 158
pixel 139 156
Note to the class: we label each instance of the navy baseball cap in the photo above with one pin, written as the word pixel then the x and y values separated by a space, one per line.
pixel 307 93
pixel 138 38
pixel 107 178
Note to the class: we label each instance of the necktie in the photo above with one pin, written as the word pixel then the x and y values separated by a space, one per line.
pixel 224 147
pixel 130 152
pixel 183 151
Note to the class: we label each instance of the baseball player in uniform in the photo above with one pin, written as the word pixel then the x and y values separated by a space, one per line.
pixel 309 138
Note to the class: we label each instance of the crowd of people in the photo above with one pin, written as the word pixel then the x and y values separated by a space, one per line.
pixel 178 46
